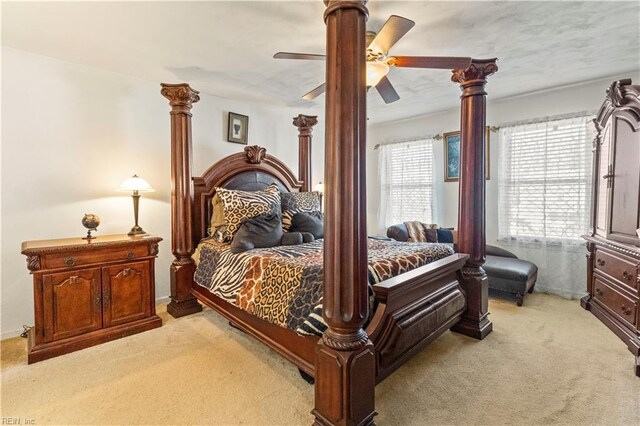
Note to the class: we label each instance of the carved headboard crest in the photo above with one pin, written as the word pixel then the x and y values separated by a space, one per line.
pixel 249 170
pixel 255 154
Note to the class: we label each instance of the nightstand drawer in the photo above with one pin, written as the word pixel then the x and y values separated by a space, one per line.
pixel 87 257
pixel 621 305
pixel 623 270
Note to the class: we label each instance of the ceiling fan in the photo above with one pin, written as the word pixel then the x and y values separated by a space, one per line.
pixel 379 61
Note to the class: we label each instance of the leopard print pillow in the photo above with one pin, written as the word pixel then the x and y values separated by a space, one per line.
pixel 296 202
pixel 241 205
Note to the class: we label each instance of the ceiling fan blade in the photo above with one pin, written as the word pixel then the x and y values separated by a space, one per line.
pixel 392 31
pixel 314 93
pixel 386 90
pixel 290 55
pixel 444 62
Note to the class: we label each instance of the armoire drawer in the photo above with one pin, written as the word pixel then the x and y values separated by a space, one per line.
pixel 621 269
pixel 621 305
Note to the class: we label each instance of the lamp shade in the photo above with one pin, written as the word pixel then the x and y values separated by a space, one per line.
pixel 135 183
pixel 375 71
pixel 319 187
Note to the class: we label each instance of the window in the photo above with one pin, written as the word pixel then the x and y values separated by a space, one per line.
pixel 544 178
pixel 406 175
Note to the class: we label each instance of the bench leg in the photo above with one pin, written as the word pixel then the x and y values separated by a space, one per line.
pixel 519 299
pixel 531 289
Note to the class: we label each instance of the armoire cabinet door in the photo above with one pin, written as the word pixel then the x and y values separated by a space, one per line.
pixel 71 303
pixel 624 218
pixel 601 181
pixel 125 293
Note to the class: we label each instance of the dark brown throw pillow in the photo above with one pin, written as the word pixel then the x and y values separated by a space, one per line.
pixel 295 238
pixel 311 222
pixel 258 232
pixel 432 235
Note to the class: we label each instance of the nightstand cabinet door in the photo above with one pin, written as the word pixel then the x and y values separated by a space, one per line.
pixel 72 303
pixel 125 293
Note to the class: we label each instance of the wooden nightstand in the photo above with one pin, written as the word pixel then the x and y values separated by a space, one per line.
pixel 90 292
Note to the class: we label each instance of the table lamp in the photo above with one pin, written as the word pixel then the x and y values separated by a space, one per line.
pixel 137 185
pixel 319 187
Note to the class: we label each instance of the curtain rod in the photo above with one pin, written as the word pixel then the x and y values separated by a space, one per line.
pixel 406 140
pixel 494 129
pixel 437 137
pixel 548 118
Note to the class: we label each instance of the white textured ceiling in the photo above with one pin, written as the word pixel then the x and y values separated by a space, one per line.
pixel 225 48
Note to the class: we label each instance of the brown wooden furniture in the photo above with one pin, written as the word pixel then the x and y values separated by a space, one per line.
pixel 90 292
pixel 613 243
pixel 359 347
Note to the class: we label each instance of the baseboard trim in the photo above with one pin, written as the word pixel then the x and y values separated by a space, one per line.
pixel 163 300
pixel 10 334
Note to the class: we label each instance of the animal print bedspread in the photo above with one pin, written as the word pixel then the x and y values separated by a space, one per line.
pixel 283 285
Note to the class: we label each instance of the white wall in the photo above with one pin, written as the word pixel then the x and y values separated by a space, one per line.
pixel 581 97
pixel 71 134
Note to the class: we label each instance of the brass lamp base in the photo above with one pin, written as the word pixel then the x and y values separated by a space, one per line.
pixel 137 230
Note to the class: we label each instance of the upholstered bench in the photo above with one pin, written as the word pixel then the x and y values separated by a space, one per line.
pixel 504 270
pixel 508 273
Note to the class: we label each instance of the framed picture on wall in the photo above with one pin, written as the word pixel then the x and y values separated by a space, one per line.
pixel 452 156
pixel 238 128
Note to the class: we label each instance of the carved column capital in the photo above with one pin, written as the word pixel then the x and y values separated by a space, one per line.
pixel 305 123
pixel 479 69
pixel 473 79
pixel 181 96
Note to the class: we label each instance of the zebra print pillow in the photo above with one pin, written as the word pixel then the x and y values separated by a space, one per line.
pixel 241 205
pixel 296 202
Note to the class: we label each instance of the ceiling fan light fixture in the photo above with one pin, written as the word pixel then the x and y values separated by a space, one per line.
pixel 375 71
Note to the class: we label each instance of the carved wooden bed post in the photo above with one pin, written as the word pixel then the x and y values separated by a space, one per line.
pixel 305 124
pixel 181 98
pixel 471 203
pixel 345 364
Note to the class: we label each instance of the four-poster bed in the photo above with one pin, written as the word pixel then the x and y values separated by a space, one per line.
pixel 359 348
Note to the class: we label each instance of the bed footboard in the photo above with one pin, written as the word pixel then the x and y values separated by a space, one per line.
pixel 415 308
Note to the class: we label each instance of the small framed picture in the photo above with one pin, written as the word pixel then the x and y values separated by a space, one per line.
pixel 452 156
pixel 238 128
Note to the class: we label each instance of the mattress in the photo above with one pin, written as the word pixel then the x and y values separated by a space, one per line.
pixel 283 285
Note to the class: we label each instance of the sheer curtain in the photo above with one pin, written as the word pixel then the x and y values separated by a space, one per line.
pixel 544 195
pixel 406 182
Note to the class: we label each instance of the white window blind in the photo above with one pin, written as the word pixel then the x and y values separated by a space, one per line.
pixel 406 177
pixel 544 181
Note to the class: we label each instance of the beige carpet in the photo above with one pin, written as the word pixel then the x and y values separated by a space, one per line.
pixel 547 362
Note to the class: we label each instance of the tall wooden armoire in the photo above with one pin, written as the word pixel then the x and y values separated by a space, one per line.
pixel 613 243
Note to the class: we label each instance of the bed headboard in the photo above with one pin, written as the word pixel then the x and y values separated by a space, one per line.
pixel 250 170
